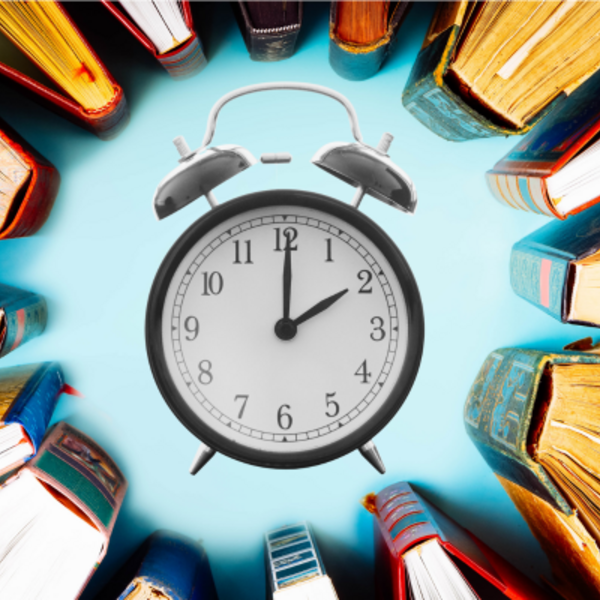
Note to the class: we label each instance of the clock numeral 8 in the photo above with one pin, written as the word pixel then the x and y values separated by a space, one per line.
pixel 290 234
pixel 213 283
pixel 284 420
pixel 205 377
pixel 332 405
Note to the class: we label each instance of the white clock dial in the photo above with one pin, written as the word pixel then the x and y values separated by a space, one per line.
pixel 227 359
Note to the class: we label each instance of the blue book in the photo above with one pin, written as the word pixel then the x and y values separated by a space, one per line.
pixel 28 396
pixel 557 268
pixel 168 566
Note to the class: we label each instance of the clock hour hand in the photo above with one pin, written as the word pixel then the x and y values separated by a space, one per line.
pixel 319 307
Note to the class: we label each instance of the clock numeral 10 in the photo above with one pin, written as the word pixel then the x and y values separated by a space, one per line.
pixel 284 419
pixel 290 234
pixel 237 260
pixel 192 327
pixel 363 372
pixel 244 399
pixel 365 276
pixel 333 408
pixel 205 376
pixel 212 282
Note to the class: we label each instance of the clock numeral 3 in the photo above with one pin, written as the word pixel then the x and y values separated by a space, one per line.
pixel 332 405
pixel 284 419
pixel 192 327
pixel 378 332
pixel 248 260
pixel 329 256
pixel 363 372
pixel 213 283
pixel 365 276
pixel 290 234
pixel 205 376
pixel 244 399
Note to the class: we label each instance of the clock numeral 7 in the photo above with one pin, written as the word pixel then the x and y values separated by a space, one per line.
pixel 244 399
pixel 284 419
pixel 363 372
pixel 248 260
pixel 205 376
pixel 290 234
pixel 212 282
pixel 333 408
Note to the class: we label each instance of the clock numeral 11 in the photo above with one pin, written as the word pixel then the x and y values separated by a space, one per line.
pixel 248 260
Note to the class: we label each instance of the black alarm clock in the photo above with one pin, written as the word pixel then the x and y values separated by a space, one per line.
pixel 284 328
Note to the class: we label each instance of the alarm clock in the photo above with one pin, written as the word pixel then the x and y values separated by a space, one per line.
pixel 284 328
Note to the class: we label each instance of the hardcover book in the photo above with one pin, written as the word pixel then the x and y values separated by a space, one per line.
pixel 419 551
pixel 361 35
pixel 294 567
pixel 555 170
pixel 166 30
pixel 58 512
pixel 557 268
pixel 45 56
pixel 28 185
pixel 534 417
pixel 167 566
pixel 496 68
pixel 22 317
pixel 270 29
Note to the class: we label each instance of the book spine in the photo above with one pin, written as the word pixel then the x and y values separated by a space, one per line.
pixel 540 278
pixel 25 314
pixel 354 62
pixel 522 193
pixel 185 61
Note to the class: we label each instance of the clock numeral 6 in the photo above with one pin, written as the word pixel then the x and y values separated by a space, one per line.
pixel 290 234
pixel 365 276
pixel 192 327
pixel 333 408
pixel 363 372
pixel 205 376
pixel 248 260
pixel 284 419
pixel 378 332
pixel 212 282
pixel 244 399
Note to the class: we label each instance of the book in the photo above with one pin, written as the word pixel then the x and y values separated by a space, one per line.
pixel 23 316
pixel 270 29
pixel 28 185
pixel 361 35
pixel 166 30
pixel 45 56
pixel 418 548
pixel 497 68
pixel 167 565
pixel 557 268
pixel 294 567
pixel 554 170
pixel 534 417
pixel 58 512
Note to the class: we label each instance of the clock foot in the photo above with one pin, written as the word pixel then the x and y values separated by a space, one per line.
pixel 203 455
pixel 370 452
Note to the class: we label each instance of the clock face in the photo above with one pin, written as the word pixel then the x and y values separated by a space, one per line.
pixel 284 329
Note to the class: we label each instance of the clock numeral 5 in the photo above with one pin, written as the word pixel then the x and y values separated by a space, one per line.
pixel 363 372
pixel 248 260
pixel 205 376
pixel 284 419
pixel 332 405
pixel 192 327
pixel 244 399
pixel 290 234
pixel 378 332
pixel 365 276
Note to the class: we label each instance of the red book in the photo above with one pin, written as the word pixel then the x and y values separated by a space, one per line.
pixel 405 521
pixel 184 60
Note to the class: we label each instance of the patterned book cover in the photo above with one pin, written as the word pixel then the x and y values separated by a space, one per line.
pixel 23 316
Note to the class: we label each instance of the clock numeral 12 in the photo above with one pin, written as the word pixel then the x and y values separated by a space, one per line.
pixel 329 256
pixel 205 376
pixel 290 234
pixel 237 260
pixel 244 399
pixel 284 419
pixel 332 405
pixel 363 373
pixel 213 283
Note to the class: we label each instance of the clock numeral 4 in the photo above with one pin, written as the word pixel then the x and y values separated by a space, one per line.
pixel 290 234
pixel 333 408
pixel 244 399
pixel 205 376
pixel 192 326
pixel 212 282
pixel 378 332
pixel 363 372
pixel 366 277
pixel 284 419
pixel 329 251
pixel 248 253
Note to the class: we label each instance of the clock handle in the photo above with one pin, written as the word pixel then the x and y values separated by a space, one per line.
pixel 280 85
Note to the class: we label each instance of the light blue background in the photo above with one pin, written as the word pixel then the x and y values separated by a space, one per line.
pixel 96 257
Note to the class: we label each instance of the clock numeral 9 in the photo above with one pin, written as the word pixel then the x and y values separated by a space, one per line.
pixel 333 408
pixel 205 376
pixel 290 234
pixel 192 327
pixel 284 419
pixel 248 260
pixel 244 399
pixel 363 372
pixel 213 283
pixel 365 276
pixel 378 332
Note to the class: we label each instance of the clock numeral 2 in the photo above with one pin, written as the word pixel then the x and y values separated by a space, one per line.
pixel 363 372
pixel 213 283
pixel 205 376
pixel 244 399
pixel 290 234
pixel 284 419
pixel 332 405
pixel 248 260
pixel 378 332
pixel 365 276
pixel 192 327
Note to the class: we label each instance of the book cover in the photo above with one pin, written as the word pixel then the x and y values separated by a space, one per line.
pixel 350 55
pixel 23 316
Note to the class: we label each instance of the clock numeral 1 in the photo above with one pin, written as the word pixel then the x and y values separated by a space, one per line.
pixel 205 376
pixel 333 408
pixel 284 419
pixel 290 234
pixel 213 283
pixel 244 399
pixel 192 327
pixel 237 260
pixel 365 276
pixel 329 257
pixel 378 332
pixel 363 372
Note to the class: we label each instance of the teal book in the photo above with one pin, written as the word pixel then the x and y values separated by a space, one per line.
pixel 23 316
pixel 557 268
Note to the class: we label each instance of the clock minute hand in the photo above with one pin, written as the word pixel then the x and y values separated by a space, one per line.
pixel 287 280
pixel 319 307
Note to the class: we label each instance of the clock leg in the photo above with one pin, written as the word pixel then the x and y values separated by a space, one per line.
pixel 370 452
pixel 203 455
